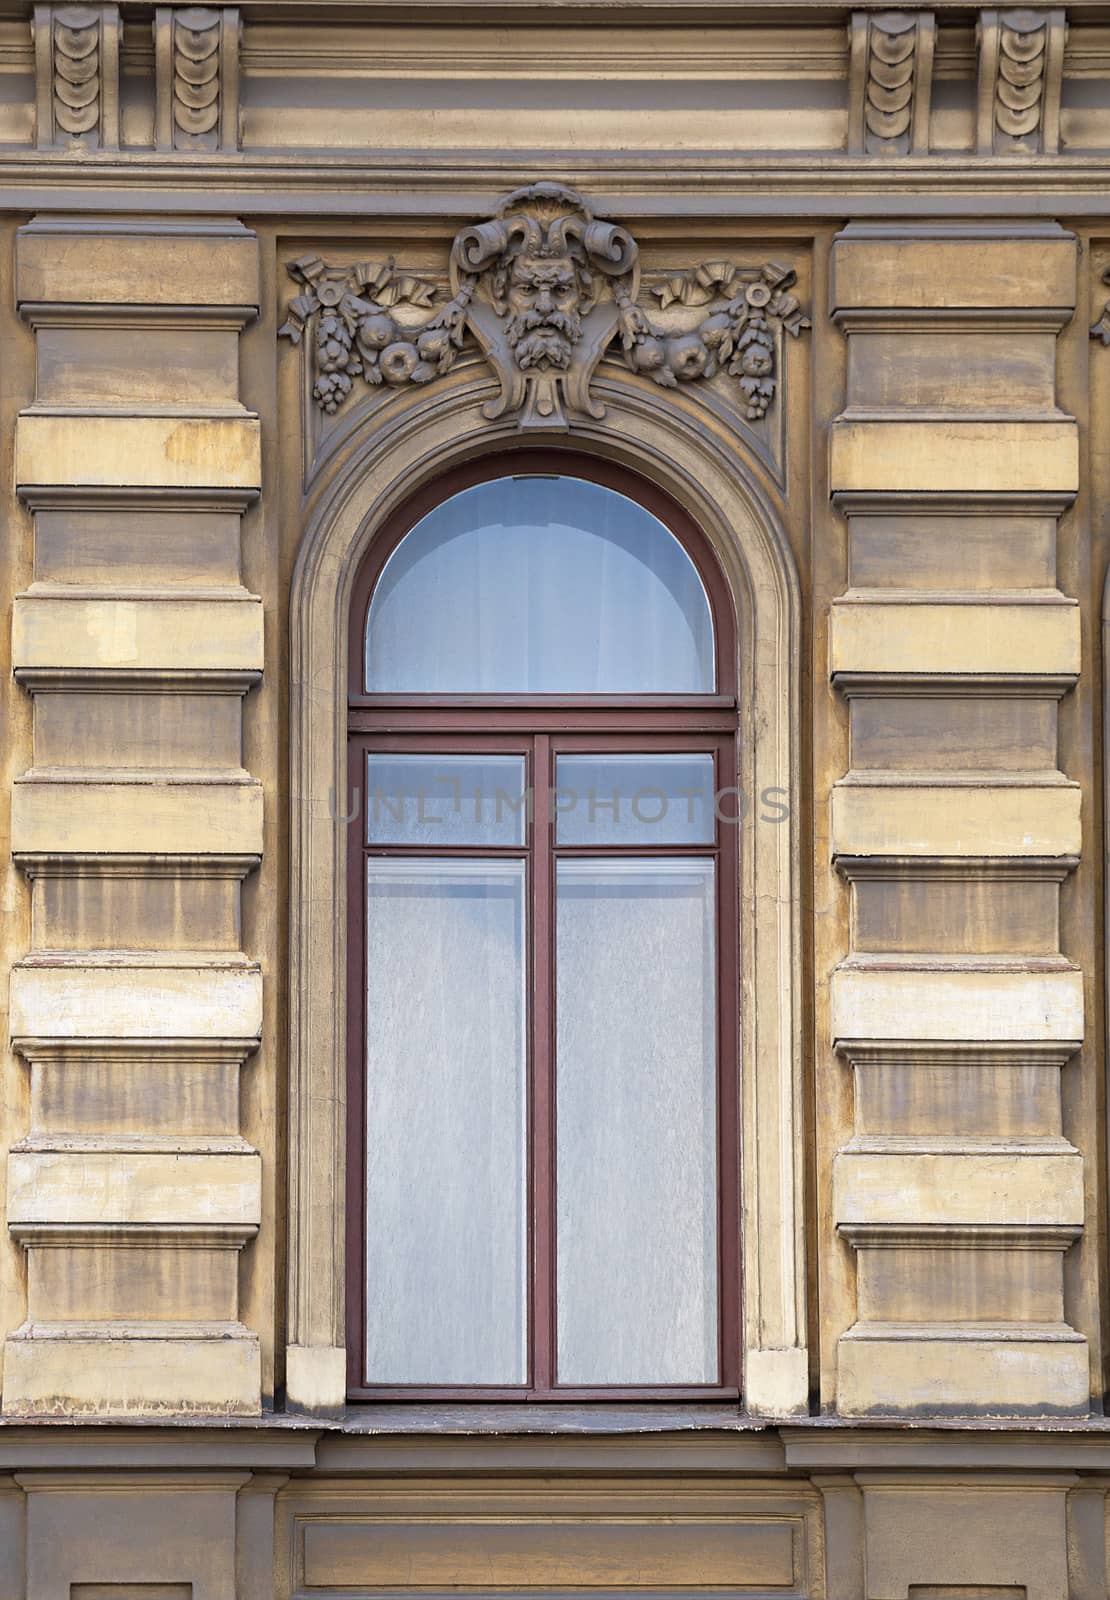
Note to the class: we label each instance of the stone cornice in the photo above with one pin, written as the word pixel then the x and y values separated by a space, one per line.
pixel 692 1440
pixel 688 11
pixel 444 187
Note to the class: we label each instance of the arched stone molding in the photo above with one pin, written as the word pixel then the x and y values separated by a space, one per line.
pixel 715 478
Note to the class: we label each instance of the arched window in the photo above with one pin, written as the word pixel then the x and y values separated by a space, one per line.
pixel 543 1179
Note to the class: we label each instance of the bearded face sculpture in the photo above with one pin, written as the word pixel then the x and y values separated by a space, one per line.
pixel 543 322
pixel 544 290
pixel 539 285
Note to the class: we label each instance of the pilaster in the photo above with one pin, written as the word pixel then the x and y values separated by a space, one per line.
pixel 955 1009
pixel 133 1191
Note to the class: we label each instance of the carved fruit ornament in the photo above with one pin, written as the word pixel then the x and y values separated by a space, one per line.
pixel 544 290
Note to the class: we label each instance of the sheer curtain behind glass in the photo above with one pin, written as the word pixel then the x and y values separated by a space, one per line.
pixel 637 1122
pixel 537 585
pixel 446 1266
pixel 542 934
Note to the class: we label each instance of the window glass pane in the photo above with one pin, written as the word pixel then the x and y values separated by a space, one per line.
pixel 636 1122
pixel 445 800
pixel 446 1216
pixel 538 585
pixel 637 800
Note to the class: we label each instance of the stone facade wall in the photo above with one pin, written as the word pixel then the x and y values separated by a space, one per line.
pixel 906 487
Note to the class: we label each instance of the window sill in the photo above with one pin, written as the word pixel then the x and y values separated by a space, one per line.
pixel 453 1417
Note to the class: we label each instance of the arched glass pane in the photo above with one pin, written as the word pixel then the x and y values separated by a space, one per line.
pixel 539 585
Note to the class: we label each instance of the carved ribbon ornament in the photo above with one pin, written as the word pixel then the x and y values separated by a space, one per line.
pixel 543 290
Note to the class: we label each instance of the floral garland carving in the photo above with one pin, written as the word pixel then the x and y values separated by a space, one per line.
pixel 543 289
pixel 356 333
pixel 738 337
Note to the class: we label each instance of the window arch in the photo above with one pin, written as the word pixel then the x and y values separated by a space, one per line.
pixel 543 1188
pixel 535 583
pixel 356 494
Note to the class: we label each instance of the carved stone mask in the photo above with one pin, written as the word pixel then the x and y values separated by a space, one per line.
pixel 542 299
pixel 545 291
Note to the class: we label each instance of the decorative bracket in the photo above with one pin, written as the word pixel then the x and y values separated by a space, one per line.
pixel 1021 70
pixel 77 75
pixel 196 56
pixel 891 82
pixel 542 290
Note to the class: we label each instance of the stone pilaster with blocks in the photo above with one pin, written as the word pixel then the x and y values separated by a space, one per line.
pixel 955 1010
pixel 135 1009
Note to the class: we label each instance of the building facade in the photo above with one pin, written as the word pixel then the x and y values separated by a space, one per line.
pixel 711 399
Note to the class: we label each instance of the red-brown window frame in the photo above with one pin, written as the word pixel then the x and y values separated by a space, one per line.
pixel 540 727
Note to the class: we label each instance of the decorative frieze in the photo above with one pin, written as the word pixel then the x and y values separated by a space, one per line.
pixel 542 290
pixel 197 66
pixel 77 75
pixel 891 81
pixel 1021 70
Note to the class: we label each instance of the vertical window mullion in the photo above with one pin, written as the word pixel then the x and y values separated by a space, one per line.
pixel 543 1079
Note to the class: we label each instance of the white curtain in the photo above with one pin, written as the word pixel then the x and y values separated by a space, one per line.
pixel 539 586
pixel 446 1213
pixel 636 1122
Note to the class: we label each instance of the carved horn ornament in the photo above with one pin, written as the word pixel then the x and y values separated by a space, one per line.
pixel 544 291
